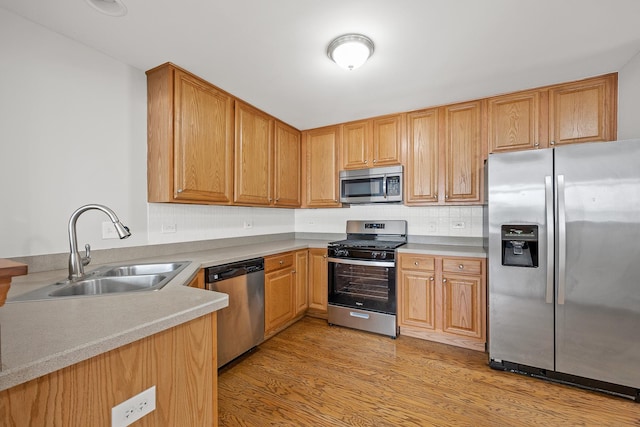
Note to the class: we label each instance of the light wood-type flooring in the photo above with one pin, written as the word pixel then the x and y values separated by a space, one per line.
pixel 313 374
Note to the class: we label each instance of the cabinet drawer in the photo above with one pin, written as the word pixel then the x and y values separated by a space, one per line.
pixel 277 262
pixel 417 262
pixel 459 265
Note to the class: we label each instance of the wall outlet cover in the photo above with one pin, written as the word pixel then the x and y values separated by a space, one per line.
pixel 133 409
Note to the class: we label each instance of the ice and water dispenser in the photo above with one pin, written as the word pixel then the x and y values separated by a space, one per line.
pixel 520 245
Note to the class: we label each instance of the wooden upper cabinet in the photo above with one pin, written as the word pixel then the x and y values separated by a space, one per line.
pixel 462 149
pixel 583 111
pixel 253 156
pixel 421 172
pixel 320 173
pixel 356 144
pixel 287 160
pixel 514 121
pixel 373 142
pixel 190 138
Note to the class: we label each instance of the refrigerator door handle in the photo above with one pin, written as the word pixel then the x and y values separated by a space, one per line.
pixel 562 241
pixel 548 193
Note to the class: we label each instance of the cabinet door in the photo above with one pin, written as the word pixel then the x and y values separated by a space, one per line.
pixel 253 161
pixel 286 179
pixel 417 299
pixel 421 175
pixel 300 278
pixel 356 137
pixel 203 146
pixel 387 140
pixel 463 305
pixel 514 122
pixel 583 111
pixel 278 298
pixel 318 280
pixel 462 152
pixel 321 172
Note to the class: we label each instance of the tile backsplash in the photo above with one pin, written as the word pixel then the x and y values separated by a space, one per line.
pixel 168 223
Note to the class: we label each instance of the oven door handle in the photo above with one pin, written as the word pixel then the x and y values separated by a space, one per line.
pixel 362 262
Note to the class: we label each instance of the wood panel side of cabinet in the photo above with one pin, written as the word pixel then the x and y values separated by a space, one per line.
pixel 320 174
pixel 584 111
pixel 318 282
pixel 422 165
pixel 301 282
pixel 198 280
pixel 388 140
pixel 160 134
pixel 462 141
pixel 287 166
pixel 253 156
pixel 180 362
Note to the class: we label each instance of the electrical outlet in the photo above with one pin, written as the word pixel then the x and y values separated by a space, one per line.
pixel 133 409
pixel 457 224
pixel 109 231
pixel 248 223
pixel 169 228
pixel 432 227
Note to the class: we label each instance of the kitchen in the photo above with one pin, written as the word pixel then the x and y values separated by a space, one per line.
pixel 91 115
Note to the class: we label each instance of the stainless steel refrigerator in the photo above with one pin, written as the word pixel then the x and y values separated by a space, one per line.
pixel 564 264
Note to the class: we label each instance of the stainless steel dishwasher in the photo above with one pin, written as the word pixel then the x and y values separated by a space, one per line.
pixel 241 324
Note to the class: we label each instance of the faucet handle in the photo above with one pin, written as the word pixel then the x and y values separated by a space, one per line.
pixel 86 259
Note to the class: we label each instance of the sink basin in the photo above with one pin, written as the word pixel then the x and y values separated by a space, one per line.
pixel 109 280
pixel 137 269
pixel 106 285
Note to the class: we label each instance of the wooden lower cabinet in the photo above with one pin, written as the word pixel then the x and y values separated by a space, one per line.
pixel 285 288
pixel 318 282
pixel 443 299
pixel 198 280
pixel 180 362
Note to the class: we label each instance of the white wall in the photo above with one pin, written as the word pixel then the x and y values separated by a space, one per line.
pixel 629 99
pixel 73 131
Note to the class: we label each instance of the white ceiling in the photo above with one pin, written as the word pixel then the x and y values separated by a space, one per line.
pixel 272 54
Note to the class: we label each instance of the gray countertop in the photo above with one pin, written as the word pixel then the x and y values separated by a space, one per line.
pixel 40 337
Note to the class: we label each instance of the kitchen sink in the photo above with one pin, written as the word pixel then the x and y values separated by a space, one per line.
pixel 137 269
pixel 106 285
pixel 109 280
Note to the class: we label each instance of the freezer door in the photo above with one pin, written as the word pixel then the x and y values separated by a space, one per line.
pixel 520 192
pixel 598 307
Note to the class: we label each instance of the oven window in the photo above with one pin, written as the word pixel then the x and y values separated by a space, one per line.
pixel 366 287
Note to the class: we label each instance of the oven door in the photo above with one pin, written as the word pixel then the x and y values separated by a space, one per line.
pixel 363 284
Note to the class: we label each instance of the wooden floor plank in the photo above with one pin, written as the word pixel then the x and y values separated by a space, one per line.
pixel 315 375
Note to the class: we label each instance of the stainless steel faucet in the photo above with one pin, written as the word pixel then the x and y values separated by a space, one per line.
pixel 77 262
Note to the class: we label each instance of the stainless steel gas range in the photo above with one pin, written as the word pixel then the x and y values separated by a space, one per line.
pixel 362 276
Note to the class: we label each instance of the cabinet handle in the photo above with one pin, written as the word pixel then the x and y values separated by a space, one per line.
pixel 416 263
pixel 281 262
pixel 366 161
pixel 444 280
pixel 375 161
pixel 461 267
pixel 537 144
pixel 324 256
pixel 431 278
pixel 552 143
pixel 180 190
pixel 293 272
pixel 446 196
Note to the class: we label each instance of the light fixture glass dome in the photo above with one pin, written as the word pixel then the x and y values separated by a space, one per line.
pixel 350 51
pixel 109 7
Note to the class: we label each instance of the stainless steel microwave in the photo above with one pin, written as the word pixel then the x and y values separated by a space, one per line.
pixel 375 185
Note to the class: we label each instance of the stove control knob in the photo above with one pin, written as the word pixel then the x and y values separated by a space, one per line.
pixel 378 255
pixel 342 253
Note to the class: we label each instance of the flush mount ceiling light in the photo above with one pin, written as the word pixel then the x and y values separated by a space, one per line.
pixel 350 51
pixel 109 7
